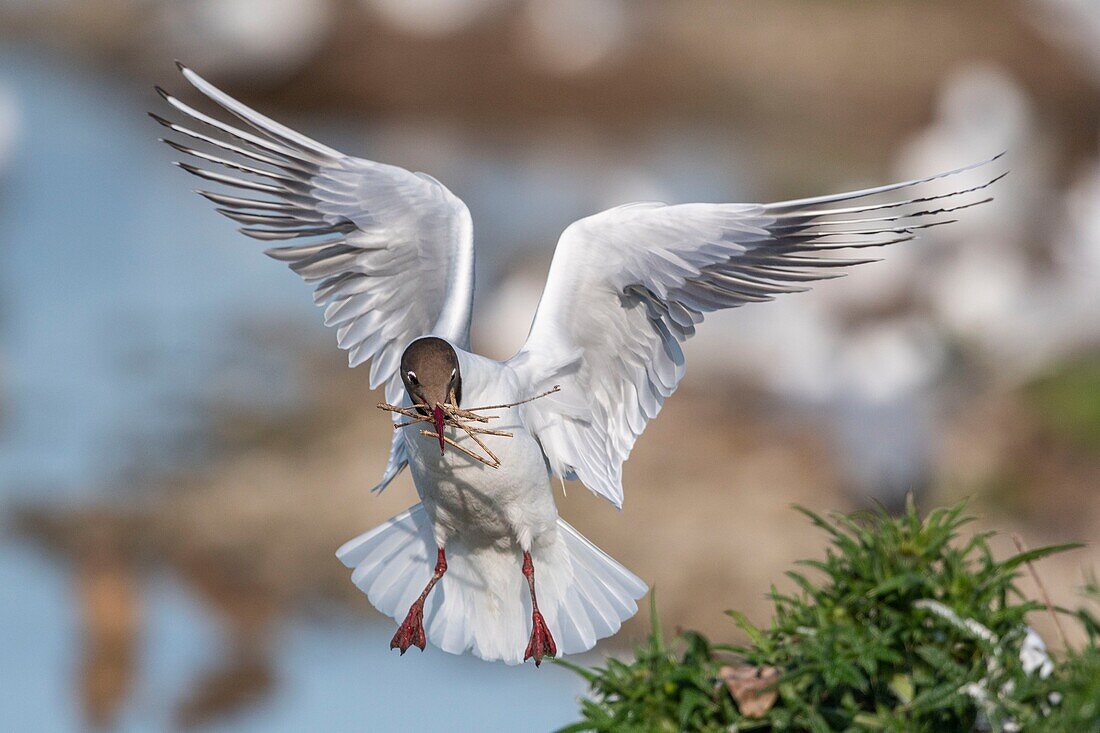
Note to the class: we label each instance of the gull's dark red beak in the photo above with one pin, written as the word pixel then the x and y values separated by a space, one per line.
pixel 439 426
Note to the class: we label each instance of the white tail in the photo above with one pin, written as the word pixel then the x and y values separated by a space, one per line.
pixel 482 604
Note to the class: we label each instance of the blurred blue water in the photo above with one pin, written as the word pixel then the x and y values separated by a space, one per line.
pixel 118 292
pixel 38 664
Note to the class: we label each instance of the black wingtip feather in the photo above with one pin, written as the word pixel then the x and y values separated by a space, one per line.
pixel 832 199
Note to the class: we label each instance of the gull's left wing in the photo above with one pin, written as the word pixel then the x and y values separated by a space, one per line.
pixel 390 252
pixel 628 285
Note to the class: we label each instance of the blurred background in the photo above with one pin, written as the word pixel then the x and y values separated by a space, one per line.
pixel 182 447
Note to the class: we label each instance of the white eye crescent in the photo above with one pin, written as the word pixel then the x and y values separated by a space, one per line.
pixel 412 377
pixel 453 373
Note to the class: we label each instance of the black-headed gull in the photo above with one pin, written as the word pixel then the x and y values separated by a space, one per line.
pixel 391 253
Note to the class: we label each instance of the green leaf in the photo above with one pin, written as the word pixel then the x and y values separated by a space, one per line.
pixel 754 633
pixel 590 675
pixel 656 637
pixel 1038 553
pixel 902 687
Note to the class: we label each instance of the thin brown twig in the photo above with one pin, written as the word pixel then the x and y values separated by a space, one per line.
pixel 406 411
pixel 457 411
pixel 468 415
pixel 479 442
pixel 453 444
pixel 398 425
pixel 1043 591
pixel 557 388
pixel 487 431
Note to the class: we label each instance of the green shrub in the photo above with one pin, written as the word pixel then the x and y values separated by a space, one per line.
pixel 901 627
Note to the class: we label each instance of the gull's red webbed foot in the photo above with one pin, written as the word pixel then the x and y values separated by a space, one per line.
pixel 411 631
pixel 542 642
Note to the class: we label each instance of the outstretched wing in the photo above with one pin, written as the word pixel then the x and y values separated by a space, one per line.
pixel 628 285
pixel 390 251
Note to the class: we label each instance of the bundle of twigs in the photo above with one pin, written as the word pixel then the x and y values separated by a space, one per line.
pixel 461 418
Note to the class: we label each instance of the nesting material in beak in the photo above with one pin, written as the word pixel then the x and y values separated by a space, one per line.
pixel 439 415
pixel 444 414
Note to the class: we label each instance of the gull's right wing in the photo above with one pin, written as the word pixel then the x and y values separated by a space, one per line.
pixel 628 285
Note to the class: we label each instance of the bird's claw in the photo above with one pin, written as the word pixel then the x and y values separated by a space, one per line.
pixel 411 631
pixel 542 642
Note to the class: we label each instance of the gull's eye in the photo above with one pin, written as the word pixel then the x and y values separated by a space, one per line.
pixel 453 373
pixel 412 377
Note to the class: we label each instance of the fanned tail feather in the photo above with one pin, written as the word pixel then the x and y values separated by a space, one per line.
pixel 482 604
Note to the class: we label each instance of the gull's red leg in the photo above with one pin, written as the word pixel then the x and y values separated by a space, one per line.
pixel 542 643
pixel 411 630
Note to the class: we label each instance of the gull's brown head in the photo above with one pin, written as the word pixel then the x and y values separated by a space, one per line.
pixel 430 371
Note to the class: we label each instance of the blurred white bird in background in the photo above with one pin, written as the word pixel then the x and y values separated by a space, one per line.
pixel 976 278
pixel 1064 319
pixel 1073 24
pixel 391 256
pixel 257 40
pixel 9 127
pixel 546 32
pixel 557 43
pixel 433 18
